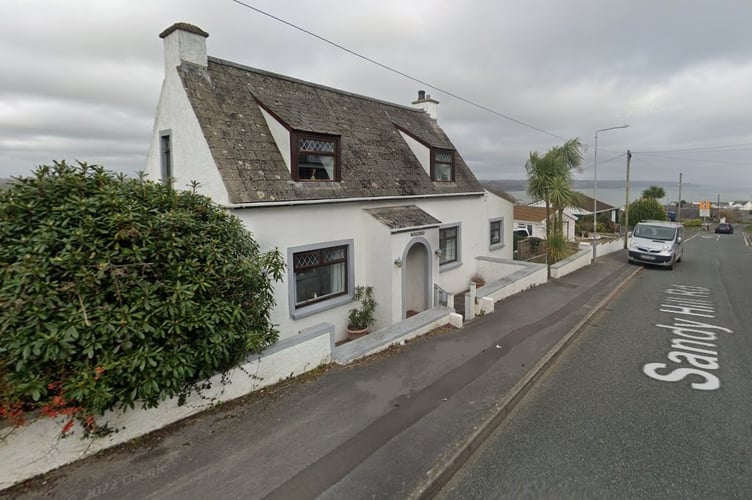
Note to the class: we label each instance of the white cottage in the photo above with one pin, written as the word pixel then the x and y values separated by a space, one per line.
pixel 352 190
pixel 533 219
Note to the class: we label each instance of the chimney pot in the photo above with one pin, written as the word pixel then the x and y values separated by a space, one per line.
pixel 430 106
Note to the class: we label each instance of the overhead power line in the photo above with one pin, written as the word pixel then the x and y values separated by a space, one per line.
pixel 701 160
pixel 398 72
pixel 706 149
pixel 589 166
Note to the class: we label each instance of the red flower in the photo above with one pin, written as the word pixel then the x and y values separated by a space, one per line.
pixel 67 427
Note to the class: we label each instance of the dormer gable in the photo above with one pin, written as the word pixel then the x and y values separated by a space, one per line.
pixel 309 156
pixel 437 162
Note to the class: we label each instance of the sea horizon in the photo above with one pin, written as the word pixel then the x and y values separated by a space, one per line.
pixel 613 192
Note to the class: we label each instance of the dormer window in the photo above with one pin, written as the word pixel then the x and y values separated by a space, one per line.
pixel 442 165
pixel 315 157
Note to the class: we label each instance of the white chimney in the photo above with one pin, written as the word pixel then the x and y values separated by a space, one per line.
pixel 430 106
pixel 184 42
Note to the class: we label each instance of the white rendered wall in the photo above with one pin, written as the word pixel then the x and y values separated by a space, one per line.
pixel 37 448
pixel 380 270
pixel 375 248
pixel 421 152
pixel 283 227
pixel 185 46
pixel 281 137
pixel 474 213
pixel 191 158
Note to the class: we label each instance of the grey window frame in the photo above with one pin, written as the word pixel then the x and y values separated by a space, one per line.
pixel 457 262
pixel 165 157
pixel 501 243
pixel 302 311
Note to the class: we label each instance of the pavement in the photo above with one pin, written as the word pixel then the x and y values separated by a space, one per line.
pixel 395 425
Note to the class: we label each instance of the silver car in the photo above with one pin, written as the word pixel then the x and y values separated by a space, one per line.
pixel 657 242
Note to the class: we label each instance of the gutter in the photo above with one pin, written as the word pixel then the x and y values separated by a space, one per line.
pixel 347 200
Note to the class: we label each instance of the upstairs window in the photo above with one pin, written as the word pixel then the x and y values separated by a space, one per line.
pixel 315 157
pixel 165 157
pixel 442 165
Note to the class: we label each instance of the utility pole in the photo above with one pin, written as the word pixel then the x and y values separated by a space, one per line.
pixel 718 205
pixel 626 203
pixel 678 210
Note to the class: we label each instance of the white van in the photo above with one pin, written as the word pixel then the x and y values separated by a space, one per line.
pixel 657 242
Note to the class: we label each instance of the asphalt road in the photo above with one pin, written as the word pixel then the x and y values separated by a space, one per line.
pixel 616 417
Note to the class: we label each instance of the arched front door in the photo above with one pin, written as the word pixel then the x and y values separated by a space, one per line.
pixel 416 280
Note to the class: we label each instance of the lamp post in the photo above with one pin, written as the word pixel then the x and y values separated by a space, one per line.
pixel 595 184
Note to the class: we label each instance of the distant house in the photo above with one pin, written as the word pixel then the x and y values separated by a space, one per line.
pixel 584 208
pixel 534 220
pixel 352 190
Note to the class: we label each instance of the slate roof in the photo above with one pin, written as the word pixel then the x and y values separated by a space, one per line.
pixel 532 214
pixel 403 217
pixel 376 160
pixel 493 188
pixel 586 204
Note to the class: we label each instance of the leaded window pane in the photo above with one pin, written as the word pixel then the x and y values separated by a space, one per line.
pixel 443 157
pixel 316 145
pixel 308 259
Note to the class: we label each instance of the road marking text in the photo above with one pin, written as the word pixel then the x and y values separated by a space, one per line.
pixel 695 346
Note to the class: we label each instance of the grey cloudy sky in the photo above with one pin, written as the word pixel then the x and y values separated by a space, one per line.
pixel 81 78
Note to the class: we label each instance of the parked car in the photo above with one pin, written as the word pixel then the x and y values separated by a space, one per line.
pixel 725 228
pixel 657 242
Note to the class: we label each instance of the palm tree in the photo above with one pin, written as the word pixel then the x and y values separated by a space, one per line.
pixel 654 192
pixel 562 195
pixel 539 173
pixel 550 180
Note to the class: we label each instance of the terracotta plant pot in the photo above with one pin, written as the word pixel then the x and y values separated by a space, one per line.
pixel 356 334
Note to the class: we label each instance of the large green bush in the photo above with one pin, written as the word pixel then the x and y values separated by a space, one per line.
pixel 117 291
pixel 645 209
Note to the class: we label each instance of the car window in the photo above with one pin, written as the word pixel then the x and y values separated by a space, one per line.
pixel 655 232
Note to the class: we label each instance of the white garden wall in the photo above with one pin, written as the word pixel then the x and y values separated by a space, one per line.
pixel 37 447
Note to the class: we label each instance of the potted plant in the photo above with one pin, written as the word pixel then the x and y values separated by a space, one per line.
pixel 361 318
pixel 478 279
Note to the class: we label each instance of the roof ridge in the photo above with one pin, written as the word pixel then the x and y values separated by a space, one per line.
pixel 243 67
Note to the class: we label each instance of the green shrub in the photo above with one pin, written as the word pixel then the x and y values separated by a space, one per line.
pixel 645 209
pixel 692 222
pixel 117 291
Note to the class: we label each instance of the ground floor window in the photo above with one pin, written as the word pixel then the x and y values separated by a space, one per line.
pixel 449 244
pixel 496 233
pixel 320 274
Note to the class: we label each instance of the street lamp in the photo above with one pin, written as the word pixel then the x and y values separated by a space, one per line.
pixel 595 183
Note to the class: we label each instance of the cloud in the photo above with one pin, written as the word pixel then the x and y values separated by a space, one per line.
pixel 81 79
